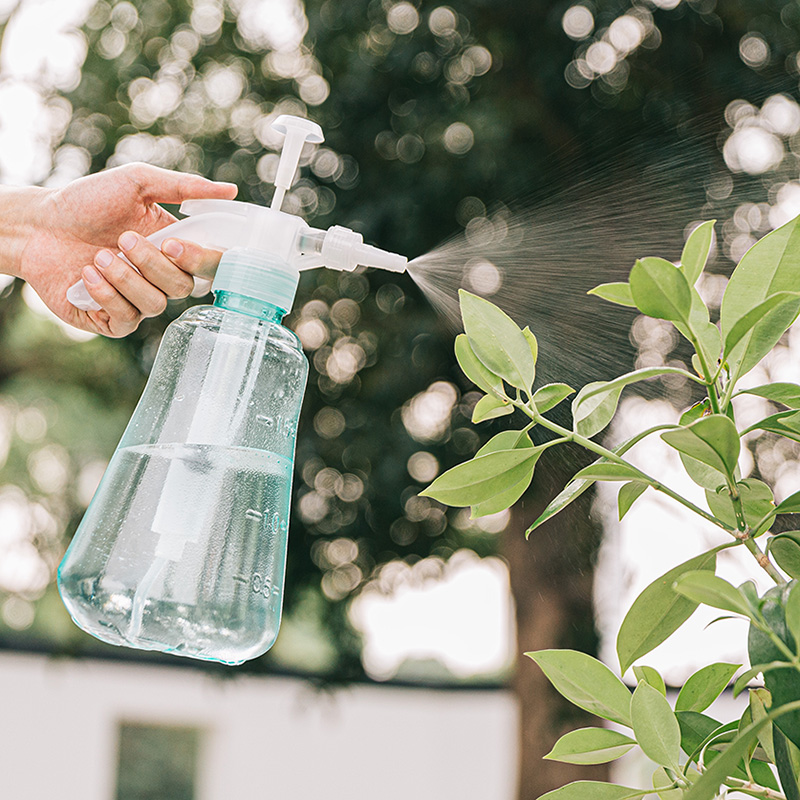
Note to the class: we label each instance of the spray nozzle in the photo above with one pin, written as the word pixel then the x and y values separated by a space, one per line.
pixel 344 249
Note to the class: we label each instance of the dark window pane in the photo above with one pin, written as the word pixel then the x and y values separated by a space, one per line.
pixel 156 762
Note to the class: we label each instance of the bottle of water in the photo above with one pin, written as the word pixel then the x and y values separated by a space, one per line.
pixel 183 547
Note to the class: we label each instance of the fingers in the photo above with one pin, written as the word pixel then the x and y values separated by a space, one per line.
pixel 157 185
pixel 124 294
pixel 159 270
pixel 117 317
pixel 192 258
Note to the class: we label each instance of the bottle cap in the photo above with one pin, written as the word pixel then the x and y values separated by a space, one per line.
pixel 259 275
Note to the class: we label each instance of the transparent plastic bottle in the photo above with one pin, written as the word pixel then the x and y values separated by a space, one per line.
pixel 183 548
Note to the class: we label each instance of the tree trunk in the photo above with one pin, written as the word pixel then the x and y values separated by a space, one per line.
pixel 551 581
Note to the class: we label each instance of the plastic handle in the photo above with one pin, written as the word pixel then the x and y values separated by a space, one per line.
pixel 217 229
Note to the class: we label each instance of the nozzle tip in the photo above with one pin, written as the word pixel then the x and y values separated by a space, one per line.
pixel 370 256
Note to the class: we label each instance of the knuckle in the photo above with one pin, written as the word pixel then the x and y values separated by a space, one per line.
pixel 158 306
pixel 184 285
pixel 121 274
pixel 128 314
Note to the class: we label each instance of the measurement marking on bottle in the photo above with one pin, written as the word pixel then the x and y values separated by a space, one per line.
pixel 251 513
pixel 241 579
pixel 262 585
pixel 283 426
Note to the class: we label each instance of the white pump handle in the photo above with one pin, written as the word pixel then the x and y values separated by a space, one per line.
pixel 297 131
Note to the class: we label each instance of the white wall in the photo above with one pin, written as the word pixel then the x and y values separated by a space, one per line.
pixel 264 738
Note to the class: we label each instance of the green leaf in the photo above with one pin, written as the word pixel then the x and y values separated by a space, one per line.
pixel 758 669
pixel 608 472
pixel 651 676
pixel 770 266
pixel 596 403
pixel 783 683
pixel 628 495
pixel 787 394
pixel 703 587
pixel 505 499
pixel 586 683
pixel 786 769
pixel 490 407
pixel 655 726
pixel 792 613
pixel 502 500
pixel 784 423
pixel 481 478
pixel 497 340
pixel 663 782
pixel 635 377
pixel 701 332
pixel 474 370
pixel 619 293
pixel 785 549
pixel 592 790
pixel 696 730
pixel 708 785
pixel 704 687
pixel 760 702
pixel 660 290
pixel 505 440
pixel 756 497
pixel 712 440
pixel 590 746
pixel 696 250
pixel 700 473
pixel 572 491
pixel 533 345
pixel 591 416
pixel 658 612
pixel 550 395
pixel 791 505
pixel 765 323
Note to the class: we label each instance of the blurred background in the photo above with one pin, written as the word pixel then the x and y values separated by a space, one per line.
pixel 525 150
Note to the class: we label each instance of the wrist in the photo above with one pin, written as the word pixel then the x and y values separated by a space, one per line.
pixel 20 217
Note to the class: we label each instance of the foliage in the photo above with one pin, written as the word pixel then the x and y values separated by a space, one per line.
pixel 695 754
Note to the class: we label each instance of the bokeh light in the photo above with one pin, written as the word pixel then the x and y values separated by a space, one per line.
pixel 577 22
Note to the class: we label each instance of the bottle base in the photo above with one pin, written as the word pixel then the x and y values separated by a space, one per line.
pixel 123 620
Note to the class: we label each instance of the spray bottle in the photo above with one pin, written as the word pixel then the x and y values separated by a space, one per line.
pixel 183 547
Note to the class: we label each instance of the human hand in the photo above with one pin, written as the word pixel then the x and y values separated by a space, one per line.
pixel 64 230
pixel 127 294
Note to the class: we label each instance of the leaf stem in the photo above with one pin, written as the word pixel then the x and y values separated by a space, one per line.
pixel 754 789
pixel 588 444
pixel 710 379
pixel 763 560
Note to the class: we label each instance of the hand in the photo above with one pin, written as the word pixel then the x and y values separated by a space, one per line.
pixel 64 230
pixel 126 294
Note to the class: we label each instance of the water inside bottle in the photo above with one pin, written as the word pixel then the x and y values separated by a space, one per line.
pixel 187 553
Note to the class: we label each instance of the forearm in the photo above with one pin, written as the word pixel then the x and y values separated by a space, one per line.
pixel 19 218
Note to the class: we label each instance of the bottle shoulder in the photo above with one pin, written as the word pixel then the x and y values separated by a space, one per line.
pixel 220 320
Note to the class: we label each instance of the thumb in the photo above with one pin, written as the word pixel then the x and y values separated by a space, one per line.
pixel 192 258
pixel 157 185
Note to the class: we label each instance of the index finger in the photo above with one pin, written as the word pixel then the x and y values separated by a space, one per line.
pixel 158 185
